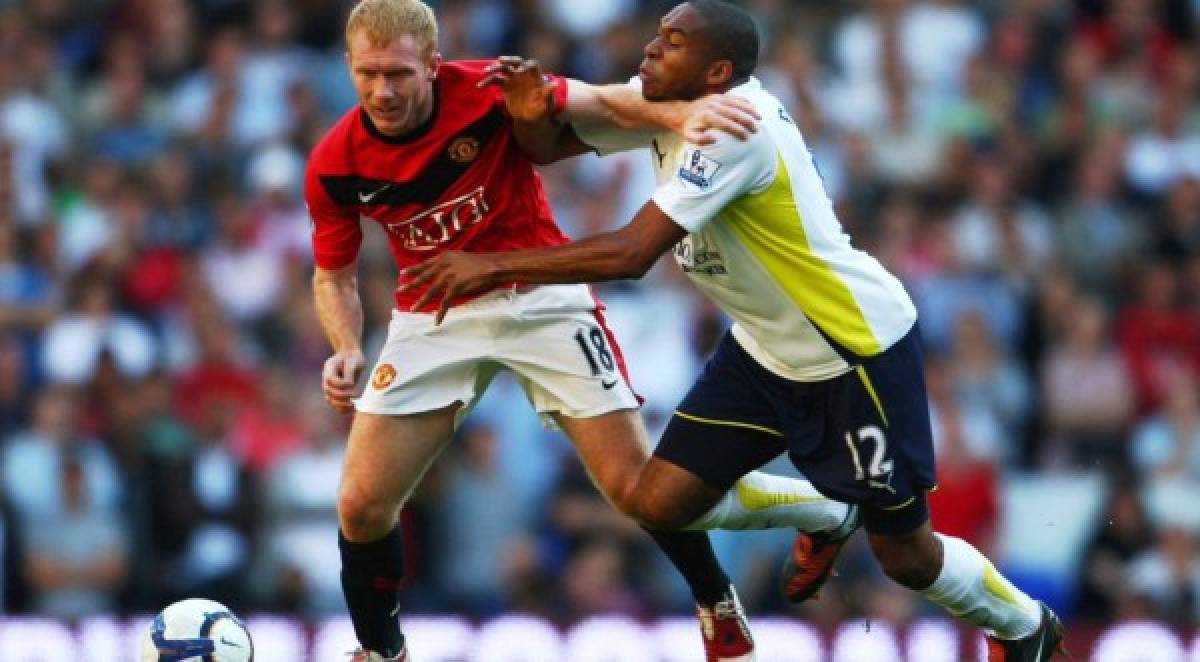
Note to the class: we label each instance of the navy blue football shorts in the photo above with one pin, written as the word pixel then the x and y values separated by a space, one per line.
pixel 861 438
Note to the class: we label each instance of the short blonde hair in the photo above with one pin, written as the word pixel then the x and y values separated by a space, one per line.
pixel 387 20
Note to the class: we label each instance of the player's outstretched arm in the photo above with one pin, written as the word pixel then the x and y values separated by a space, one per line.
pixel 625 253
pixel 335 293
pixel 529 97
pixel 697 121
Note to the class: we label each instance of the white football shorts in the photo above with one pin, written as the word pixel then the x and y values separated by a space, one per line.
pixel 553 337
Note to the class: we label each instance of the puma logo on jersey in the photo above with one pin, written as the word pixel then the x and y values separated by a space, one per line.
pixel 658 151
pixel 441 224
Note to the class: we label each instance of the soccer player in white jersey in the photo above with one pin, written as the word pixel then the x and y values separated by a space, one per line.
pixel 823 361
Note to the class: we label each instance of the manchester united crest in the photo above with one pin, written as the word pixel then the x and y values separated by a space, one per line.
pixel 384 374
pixel 464 149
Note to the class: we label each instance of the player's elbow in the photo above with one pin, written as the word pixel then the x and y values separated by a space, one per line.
pixel 638 264
pixel 338 278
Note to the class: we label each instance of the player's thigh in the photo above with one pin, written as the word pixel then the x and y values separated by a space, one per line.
pixel 567 359
pixel 613 447
pixel 386 456
pixel 661 494
pixel 725 427
pixel 423 367
pixel 875 447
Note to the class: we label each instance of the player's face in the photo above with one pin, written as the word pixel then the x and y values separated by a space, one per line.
pixel 676 61
pixel 394 81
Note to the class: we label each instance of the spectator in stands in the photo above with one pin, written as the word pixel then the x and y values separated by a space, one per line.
pixel 966 502
pixel 478 515
pixel 32 459
pixel 300 500
pixel 92 327
pixel 204 519
pixel 1178 232
pixel 15 387
pixel 76 556
pixel 985 377
pixel 1156 335
pixel 1122 533
pixel 1087 394
pixel 594 582
pixel 1169 576
pixel 245 275
pixel 1099 233
pixel 1167 444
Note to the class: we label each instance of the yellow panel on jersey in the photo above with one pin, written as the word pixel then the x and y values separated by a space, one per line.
pixel 770 226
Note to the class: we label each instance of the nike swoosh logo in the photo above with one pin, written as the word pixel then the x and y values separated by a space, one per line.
pixel 230 643
pixel 367 197
pixel 608 385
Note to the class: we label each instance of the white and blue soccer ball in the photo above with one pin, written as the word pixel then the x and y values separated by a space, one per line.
pixel 197 630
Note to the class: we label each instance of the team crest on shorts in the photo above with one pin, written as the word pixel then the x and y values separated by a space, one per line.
pixel 464 149
pixel 383 376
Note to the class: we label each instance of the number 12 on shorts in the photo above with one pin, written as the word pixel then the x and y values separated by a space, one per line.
pixel 879 472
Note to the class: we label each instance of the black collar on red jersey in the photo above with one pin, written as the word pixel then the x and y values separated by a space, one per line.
pixel 411 136
pixel 440 172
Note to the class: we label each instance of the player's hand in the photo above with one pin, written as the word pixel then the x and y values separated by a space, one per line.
pixel 527 93
pixel 338 378
pixel 451 275
pixel 707 116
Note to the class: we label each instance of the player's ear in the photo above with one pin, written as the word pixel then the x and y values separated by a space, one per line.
pixel 719 73
pixel 435 63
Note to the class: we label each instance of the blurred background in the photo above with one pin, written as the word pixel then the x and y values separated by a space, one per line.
pixel 1029 168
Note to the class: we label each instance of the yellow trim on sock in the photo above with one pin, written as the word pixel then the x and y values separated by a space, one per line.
pixel 753 498
pixel 735 424
pixel 997 585
pixel 866 380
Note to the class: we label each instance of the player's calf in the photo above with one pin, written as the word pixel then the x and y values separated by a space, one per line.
pixel 371 577
pixel 910 559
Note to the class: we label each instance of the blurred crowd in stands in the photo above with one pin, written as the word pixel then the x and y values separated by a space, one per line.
pixel 1030 168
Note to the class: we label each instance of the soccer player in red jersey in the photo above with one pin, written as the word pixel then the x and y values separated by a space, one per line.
pixel 432 159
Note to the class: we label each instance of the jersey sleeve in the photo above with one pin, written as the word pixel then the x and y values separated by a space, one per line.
pixel 336 234
pixel 607 139
pixel 710 178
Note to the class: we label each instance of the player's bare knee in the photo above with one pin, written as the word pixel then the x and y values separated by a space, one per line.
pixel 363 517
pixel 659 514
pixel 624 497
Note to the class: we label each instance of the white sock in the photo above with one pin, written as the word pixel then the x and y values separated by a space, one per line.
pixel 765 501
pixel 970 588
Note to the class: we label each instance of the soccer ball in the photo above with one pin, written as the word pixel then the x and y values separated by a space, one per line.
pixel 196 630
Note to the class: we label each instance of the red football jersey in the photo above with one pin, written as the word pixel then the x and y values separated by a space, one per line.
pixel 458 182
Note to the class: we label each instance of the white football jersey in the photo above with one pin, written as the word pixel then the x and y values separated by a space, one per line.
pixel 766 246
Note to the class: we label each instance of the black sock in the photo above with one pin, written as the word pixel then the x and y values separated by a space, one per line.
pixel 371 574
pixel 693 555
